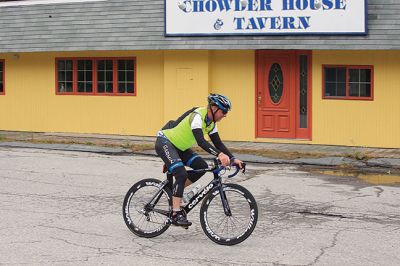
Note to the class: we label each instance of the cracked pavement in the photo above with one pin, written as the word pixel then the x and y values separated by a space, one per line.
pixel 64 208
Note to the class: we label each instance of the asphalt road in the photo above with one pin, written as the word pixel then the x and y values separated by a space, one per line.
pixel 64 208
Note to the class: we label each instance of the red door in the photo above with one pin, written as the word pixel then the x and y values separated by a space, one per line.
pixel 276 95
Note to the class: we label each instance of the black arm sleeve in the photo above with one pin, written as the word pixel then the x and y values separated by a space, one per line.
pixel 198 135
pixel 216 140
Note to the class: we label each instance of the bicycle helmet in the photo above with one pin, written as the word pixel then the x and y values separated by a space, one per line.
pixel 221 101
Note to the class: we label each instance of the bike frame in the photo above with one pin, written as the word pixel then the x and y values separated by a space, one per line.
pixel 215 183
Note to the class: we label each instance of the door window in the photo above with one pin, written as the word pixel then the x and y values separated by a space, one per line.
pixel 275 83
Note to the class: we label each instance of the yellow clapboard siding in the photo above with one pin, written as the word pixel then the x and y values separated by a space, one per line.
pixel 169 82
pixel 30 103
pixel 359 123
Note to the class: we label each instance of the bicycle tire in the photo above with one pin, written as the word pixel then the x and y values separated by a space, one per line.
pixel 242 205
pixel 134 202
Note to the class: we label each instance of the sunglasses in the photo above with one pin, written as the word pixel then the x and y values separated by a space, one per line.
pixel 224 111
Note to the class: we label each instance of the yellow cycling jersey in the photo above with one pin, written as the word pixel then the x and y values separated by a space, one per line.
pixel 181 136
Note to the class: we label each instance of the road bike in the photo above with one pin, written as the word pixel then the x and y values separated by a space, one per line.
pixel 228 213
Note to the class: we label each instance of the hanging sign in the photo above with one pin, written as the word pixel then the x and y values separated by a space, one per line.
pixel 265 17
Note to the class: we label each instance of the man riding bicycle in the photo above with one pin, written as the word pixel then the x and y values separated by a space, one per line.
pixel 176 138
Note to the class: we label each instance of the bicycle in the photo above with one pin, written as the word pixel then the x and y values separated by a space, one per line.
pixel 147 207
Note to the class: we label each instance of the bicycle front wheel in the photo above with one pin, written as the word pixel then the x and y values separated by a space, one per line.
pixel 232 229
pixel 142 215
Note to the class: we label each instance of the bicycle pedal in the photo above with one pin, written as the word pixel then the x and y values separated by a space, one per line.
pixel 182 226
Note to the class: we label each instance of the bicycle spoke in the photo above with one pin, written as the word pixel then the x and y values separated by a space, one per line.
pixel 141 220
pixel 229 226
pixel 155 217
pixel 158 219
pixel 226 226
pixel 221 223
pixel 232 222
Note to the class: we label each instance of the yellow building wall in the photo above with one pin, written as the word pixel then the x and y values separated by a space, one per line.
pixel 232 73
pixel 359 123
pixel 186 75
pixel 334 122
pixel 170 82
pixel 30 102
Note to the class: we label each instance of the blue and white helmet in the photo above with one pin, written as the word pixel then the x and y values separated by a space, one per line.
pixel 221 101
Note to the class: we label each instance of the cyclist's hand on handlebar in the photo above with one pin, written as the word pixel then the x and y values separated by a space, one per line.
pixel 238 162
pixel 224 159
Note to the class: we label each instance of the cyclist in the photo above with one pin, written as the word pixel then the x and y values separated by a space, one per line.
pixel 176 138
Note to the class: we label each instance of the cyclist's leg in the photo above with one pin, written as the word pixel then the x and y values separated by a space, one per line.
pixel 169 154
pixel 194 161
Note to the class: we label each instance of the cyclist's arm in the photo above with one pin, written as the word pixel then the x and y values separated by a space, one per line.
pixel 214 136
pixel 216 140
pixel 196 126
pixel 203 143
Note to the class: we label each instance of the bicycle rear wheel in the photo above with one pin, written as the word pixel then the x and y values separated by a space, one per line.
pixel 145 218
pixel 229 230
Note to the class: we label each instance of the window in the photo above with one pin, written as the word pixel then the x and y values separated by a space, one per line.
pixel 348 82
pixel 1 76
pixel 125 76
pixel 85 76
pixel 65 76
pixel 303 80
pixel 105 76
pixel 96 76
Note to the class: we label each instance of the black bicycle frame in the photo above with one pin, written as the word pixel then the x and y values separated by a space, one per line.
pixel 153 202
pixel 215 183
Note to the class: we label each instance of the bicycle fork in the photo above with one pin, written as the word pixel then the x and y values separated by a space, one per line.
pixel 224 200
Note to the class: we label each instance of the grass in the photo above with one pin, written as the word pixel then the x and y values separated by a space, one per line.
pixel 49 141
pixel 113 144
pixel 276 154
pixel 135 147
pixel 289 155
pixel 358 155
pixel 147 146
pixel 140 147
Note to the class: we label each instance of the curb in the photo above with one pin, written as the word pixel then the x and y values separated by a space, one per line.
pixel 331 161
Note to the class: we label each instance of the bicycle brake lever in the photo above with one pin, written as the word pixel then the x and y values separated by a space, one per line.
pixel 235 173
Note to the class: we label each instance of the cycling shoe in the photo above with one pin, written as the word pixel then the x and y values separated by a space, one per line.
pixel 179 219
